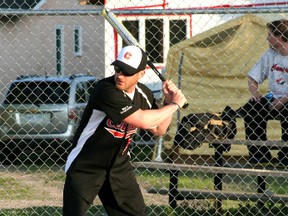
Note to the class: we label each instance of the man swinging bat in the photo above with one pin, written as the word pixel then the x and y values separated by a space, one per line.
pixel 99 163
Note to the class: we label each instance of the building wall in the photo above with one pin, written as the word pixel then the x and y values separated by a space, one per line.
pixel 28 43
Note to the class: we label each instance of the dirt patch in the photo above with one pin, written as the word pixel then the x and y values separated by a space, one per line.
pixel 22 189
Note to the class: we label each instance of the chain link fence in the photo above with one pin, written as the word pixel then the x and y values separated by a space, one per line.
pixel 53 52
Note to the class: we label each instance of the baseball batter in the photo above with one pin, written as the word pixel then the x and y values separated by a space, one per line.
pixel 99 163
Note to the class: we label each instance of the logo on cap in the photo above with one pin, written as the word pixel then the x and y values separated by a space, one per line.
pixel 127 55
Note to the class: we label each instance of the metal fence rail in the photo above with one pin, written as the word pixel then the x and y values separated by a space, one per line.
pixel 194 11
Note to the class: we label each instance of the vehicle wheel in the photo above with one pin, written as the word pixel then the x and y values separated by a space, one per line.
pixel 7 156
pixel 2 154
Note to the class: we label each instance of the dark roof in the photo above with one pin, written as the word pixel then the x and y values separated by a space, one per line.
pixel 18 4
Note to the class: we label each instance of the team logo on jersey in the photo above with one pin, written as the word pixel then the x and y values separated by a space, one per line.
pixel 125 109
pixel 121 130
pixel 277 67
pixel 280 81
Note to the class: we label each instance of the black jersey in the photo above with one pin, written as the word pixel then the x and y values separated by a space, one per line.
pixel 102 134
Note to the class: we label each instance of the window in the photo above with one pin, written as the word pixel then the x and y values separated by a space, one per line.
pixel 150 34
pixel 92 2
pixel 154 39
pixel 153 32
pixel 38 93
pixel 20 4
pixel 133 28
pixel 78 40
pixel 177 31
pixel 84 90
pixel 59 50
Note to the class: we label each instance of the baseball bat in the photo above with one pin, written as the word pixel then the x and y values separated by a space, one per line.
pixel 130 40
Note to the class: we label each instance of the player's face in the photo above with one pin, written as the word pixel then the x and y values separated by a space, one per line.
pixel 274 41
pixel 126 82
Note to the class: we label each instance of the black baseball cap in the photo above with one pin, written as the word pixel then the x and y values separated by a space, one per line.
pixel 131 60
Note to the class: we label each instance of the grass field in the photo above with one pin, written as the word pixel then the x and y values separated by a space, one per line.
pixel 41 185
pixel 160 180
pixel 247 210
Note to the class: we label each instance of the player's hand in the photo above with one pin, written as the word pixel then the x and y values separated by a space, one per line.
pixel 173 94
pixel 179 98
pixel 256 97
pixel 169 88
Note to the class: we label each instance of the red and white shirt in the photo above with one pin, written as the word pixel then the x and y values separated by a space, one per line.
pixel 274 67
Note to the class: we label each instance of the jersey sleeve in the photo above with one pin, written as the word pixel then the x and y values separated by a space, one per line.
pixel 114 102
pixel 260 70
pixel 148 96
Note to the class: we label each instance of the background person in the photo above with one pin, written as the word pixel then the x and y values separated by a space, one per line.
pixel 272 66
pixel 99 163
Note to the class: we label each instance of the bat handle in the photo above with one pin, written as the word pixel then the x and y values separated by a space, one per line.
pixel 162 78
pixel 152 66
pixel 185 105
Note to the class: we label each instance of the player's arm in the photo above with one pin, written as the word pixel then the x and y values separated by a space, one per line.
pixel 253 88
pixel 158 120
pixel 155 120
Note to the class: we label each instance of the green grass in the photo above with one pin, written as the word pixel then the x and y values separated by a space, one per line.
pixel 200 180
pixel 148 178
pixel 159 179
pixel 12 189
pixel 203 181
pixel 36 211
pixel 246 209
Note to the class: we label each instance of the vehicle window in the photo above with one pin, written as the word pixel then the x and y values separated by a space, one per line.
pixel 84 90
pixel 38 93
pixel 80 93
pixel 90 87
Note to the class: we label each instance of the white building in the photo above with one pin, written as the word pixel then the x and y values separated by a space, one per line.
pixel 156 33
pixel 85 43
